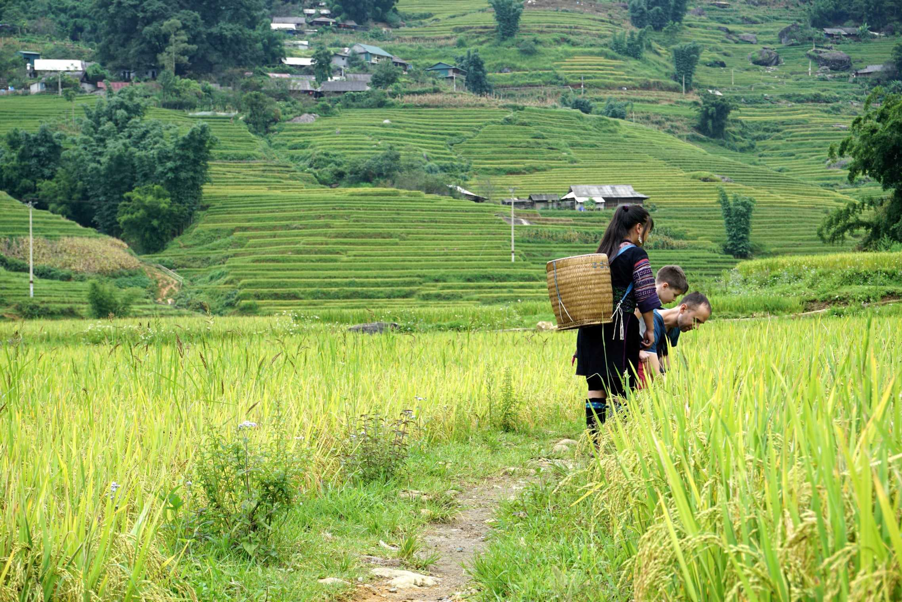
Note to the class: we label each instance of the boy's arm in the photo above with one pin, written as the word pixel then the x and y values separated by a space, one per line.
pixel 655 364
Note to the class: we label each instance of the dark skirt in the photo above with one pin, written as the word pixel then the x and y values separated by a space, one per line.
pixel 601 354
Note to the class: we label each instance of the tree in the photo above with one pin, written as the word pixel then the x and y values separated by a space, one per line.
pixel 232 33
pixel 685 60
pixel 70 95
pixel 580 103
pixel 322 64
pixel 147 218
pixel 27 159
pixel 737 219
pixel 874 145
pixel 177 48
pixel 106 301
pixel 657 13
pixel 714 115
pixel 477 80
pixel 616 109
pixel 632 44
pixel 897 59
pixel 507 17
pixel 261 112
pixel 364 11
pixel 386 75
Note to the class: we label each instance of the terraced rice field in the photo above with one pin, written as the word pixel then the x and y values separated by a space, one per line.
pixel 236 143
pixel 14 221
pixel 30 112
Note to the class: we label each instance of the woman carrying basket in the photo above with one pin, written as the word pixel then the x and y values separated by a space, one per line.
pixel 608 355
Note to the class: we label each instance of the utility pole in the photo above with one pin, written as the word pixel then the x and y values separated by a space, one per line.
pixel 684 84
pixel 512 223
pixel 59 84
pixel 732 77
pixel 30 251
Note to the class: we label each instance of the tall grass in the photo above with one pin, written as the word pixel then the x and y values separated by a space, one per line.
pixel 101 421
pixel 766 467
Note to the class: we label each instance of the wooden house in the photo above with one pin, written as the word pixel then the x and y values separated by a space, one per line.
pixel 446 71
pixel 605 196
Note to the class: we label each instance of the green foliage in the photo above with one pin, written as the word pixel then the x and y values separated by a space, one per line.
pixel 386 75
pixel 364 11
pixel 737 218
pixel 376 447
pixel 178 92
pixel 714 115
pixel 507 17
pixel 477 80
pixel 528 47
pixel 96 73
pixel 147 218
pixel 656 14
pixel 874 145
pixel 26 159
pixel 261 112
pixel 685 60
pixel 897 59
pixel 31 309
pixel 632 44
pixel 211 36
pixel 177 48
pixel 116 151
pixel 580 103
pixel 824 13
pixel 322 64
pixel 105 300
pixel 246 483
pixel 617 109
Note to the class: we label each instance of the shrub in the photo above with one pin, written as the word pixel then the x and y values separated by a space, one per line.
pixel 528 47
pixel 737 217
pixel 246 482
pixel 34 310
pixel 106 301
pixel 376 446
pixel 616 109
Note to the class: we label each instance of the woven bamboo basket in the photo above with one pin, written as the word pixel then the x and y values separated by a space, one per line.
pixel 580 290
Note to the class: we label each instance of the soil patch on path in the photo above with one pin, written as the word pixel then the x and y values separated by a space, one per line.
pixel 457 542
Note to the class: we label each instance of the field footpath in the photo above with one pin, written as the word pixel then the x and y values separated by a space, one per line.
pixel 459 541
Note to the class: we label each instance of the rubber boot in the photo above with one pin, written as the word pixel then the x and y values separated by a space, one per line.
pixel 596 412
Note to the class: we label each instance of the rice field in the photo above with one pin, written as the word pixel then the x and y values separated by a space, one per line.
pixel 748 474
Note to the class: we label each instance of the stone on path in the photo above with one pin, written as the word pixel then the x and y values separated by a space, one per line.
pixel 405 579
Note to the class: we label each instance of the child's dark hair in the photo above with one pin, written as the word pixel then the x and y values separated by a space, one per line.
pixel 696 299
pixel 625 219
pixel 674 276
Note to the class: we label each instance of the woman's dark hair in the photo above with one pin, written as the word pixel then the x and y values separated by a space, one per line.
pixel 625 219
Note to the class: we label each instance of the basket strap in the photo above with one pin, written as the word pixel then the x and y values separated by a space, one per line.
pixel 559 300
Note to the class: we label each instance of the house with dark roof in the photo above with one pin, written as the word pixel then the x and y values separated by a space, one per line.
pixel 546 201
pixel 605 196
pixel 349 24
pixel 339 87
pixel 359 77
pixel 446 71
pixel 869 71
pixel 322 22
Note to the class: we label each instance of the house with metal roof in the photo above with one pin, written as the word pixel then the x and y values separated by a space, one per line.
pixel 337 87
pixel 289 28
pixel 30 56
pixel 446 71
pixel 297 61
pixel 371 54
pixel 322 22
pixel 297 21
pixel 841 32
pixel 547 201
pixel 605 196
pixel 869 71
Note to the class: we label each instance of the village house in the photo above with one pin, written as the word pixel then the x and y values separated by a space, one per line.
pixel 605 197
pixel 30 57
pixel 840 32
pixel 446 71
pixel 460 192
pixel 297 61
pixel 366 78
pixel 339 87
pixel 869 71
pixel 289 28
pixel 349 24
pixel 72 68
pixel 340 59
pixel 374 55
pixel 322 22
pixel 546 201
pixel 297 21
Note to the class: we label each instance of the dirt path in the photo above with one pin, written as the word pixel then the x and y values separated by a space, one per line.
pixel 457 543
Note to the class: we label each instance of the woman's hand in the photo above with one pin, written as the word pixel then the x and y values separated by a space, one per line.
pixel 649 338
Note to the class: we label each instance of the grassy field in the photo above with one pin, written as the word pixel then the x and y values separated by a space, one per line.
pixel 703 489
